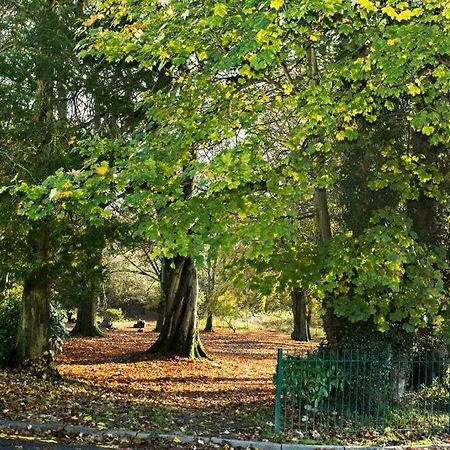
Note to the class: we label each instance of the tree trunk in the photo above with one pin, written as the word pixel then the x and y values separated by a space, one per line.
pixel 86 319
pixel 33 336
pixel 424 210
pixel 209 323
pixel 331 322
pixel 299 311
pixel 323 223
pixel 33 339
pixel 160 318
pixel 179 335
pixel 308 322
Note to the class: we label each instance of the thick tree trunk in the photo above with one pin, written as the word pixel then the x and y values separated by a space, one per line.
pixel 179 335
pixel 33 336
pixel 299 311
pixel 33 339
pixel 86 324
pixel 209 323
pixel 86 319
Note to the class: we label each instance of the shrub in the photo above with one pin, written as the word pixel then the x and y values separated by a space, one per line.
pixel 9 322
pixel 114 314
pixel 58 331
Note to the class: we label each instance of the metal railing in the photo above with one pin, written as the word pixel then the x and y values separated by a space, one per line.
pixel 356 391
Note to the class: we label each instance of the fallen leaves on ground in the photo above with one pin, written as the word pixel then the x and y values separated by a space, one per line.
pixel 109 384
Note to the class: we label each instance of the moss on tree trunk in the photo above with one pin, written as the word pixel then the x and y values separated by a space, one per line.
pixel 33 334
pixel 33 337
pixel 86 319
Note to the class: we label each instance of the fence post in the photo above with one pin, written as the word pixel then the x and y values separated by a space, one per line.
pixel 278 390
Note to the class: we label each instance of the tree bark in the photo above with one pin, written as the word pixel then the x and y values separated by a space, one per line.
pixel 160 318
pixel 209 323
pixel 86 324
pixel 323 223
pixel 308 321
pixel 179 335
pixel 299 310
pixel 424 210
pixel 331 322
pixel 86 319
pixel 33 336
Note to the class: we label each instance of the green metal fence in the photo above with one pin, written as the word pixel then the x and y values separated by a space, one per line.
pixel 357 391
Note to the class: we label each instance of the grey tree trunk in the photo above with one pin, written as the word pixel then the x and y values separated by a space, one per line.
pixel 301 329
pixel 179 335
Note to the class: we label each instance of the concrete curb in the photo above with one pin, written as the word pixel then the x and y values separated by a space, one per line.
pixel 236 443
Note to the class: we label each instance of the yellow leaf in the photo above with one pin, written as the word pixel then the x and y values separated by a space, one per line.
pixel 276 4
pixel 368 5
pixel 392 41
pixel 288 89
pixel 405 15
pixel 428 130
pixel 220 9
pixel 102 170
pixel 261 36
pixel 340 136
pixel 390 11
pixel 413 89
pixel 314 37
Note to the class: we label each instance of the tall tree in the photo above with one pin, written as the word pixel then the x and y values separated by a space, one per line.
pixel 214 164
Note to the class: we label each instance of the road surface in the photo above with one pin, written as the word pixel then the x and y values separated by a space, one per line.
pixel 25 444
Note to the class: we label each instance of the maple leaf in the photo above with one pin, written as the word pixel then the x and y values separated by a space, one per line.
pixel 102 170
pixel 276 4
pixel 220 9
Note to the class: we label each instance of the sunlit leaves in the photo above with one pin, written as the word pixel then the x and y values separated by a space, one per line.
pixel 220 9
pixel 276 4
pixel 392 279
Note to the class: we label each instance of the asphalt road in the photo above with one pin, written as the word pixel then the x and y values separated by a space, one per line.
pixel 18 444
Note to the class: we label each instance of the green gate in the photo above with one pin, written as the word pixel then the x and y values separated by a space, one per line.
pixel 360 391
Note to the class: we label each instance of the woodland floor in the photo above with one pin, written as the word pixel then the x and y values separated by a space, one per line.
pixel 107 383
